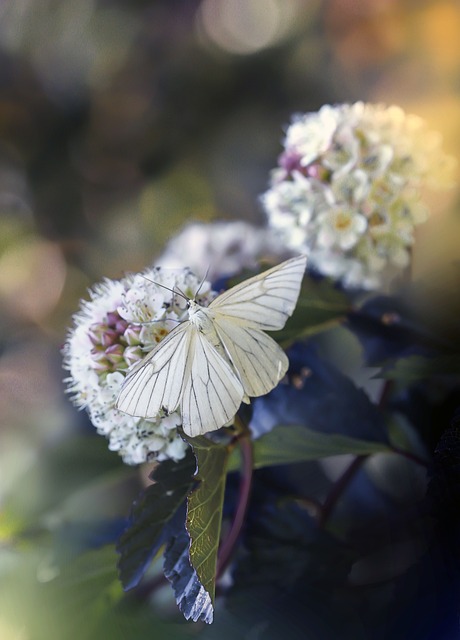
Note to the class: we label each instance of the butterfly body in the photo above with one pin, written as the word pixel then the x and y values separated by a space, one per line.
pixel 220 357
pixel 200 317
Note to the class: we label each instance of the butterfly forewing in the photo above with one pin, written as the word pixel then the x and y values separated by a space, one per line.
pixel 157 382
pixel 212 393
pixel 266 300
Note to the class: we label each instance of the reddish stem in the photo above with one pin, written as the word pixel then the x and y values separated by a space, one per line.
pixel 228 545
pixel 410 456
pixel 342 483
pixel 338 488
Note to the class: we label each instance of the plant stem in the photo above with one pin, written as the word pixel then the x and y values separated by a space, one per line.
pixel 230 541
pixel 410 456
pixel 338 488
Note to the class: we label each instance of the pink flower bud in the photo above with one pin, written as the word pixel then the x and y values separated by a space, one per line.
pixel 109 337
pixel 100 362
pixel 115 353
pixel 121 326
pixel 132 335
pixel 290 161
pixel 318 172
pixel 96 331
pixel 112 318
pixel 133 354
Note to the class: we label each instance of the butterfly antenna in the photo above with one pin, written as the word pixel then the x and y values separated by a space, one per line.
pixel 174 291
pixel 202 282
pixel 182 293
pixel 161 320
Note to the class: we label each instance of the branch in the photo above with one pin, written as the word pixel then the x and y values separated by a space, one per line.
pixel 228 545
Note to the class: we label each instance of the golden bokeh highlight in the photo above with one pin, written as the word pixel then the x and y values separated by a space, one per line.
pixel 32 276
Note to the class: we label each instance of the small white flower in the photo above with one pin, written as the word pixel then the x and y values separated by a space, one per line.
pixel 311 136
pixel 222 248
pixel 347 191
pixel 350 187
pixel 342 154
pixel 108 337
pixel 340 227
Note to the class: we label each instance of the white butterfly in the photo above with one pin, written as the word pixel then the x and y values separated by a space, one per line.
pixel 220 356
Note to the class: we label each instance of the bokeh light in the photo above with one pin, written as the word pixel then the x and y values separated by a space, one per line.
pixel 245 27
pixel 32 276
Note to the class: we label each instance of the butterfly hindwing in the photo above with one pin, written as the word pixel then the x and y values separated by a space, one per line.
pixel 258 359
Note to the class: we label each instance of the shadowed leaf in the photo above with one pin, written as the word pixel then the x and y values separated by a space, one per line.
pixel 321 398
pixel 285 545
pixel 150 513
pixel 192 598
pixel 415 368
pixel 292 443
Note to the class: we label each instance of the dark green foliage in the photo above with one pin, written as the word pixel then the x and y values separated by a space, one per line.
pixel 291 443
pixel 192 598
pixel 151 513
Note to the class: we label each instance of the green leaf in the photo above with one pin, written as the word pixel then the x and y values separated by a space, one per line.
pixel 287 444
pixel 150 513
pixel 415 368
pixel 204 510
pixel 319 307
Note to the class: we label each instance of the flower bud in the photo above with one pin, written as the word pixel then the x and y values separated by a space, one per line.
pixel 100 361
pixel 96 331
pixel 132 335
pixel 132 355
pixel 115 353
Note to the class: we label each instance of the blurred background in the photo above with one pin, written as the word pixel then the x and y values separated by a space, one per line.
pixel 119 122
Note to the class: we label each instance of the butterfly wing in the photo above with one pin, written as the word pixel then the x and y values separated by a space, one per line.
pixel 263 302
pixel 212 393
pixel 157 381
pixel 258 359
pixel 186 370
pixel 266 300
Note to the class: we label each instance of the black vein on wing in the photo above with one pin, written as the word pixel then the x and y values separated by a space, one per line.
pixel 289 273
pixel 141 378
pixel 259 349
pixel 207 384
pixel 276 302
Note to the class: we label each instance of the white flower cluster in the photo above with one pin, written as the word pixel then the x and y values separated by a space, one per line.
pixel 347 190
pixel 122 321
pixel 222 248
